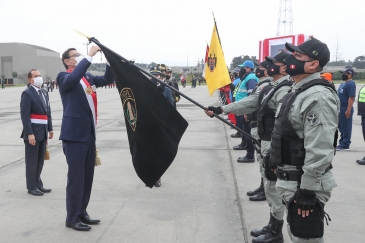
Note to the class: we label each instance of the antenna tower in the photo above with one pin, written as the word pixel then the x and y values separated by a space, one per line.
pixel 285 20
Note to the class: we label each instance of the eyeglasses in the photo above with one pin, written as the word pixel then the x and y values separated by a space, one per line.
pixel 76 55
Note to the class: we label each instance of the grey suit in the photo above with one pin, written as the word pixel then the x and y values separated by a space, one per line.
pixel 32 105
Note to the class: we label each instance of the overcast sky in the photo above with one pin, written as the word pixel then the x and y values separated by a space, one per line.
pixel 168 31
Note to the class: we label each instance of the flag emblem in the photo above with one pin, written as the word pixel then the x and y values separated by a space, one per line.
pixel 292 66
pixel 212 62
pixel 129 107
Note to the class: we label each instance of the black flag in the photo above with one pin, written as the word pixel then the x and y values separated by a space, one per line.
pixel 154 126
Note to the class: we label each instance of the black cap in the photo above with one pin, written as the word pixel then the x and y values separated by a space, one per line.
pixel 349 70
pixel 280 57
pixel 312 48
pixel 262 64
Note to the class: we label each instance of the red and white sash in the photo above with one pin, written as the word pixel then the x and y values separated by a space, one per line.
pixel 91 98
pixel 38 119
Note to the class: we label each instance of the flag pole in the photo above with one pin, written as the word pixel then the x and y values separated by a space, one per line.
pixel 216 27
pixel 92 39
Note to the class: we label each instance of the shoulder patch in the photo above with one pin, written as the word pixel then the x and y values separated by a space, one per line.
pixel 312 118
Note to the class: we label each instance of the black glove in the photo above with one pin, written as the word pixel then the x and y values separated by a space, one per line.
pixel 306 200
pixel 216 109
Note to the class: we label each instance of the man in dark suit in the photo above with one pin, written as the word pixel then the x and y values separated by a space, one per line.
pixel 78 93
pixel 35 113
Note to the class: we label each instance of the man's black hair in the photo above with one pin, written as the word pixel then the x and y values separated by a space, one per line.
pixel 66 55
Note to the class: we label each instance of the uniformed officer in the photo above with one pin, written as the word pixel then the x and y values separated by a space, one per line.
pixel 302 145
pixel 171 81
pixel 156 71
pixel 261 73
pixel 267 100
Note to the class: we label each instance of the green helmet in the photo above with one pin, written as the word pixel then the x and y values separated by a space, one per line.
pixel 155 71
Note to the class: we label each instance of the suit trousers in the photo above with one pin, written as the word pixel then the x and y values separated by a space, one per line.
pixel 34 160
pixel 80 158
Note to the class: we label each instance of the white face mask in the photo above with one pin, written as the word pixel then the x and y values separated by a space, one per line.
pixel 38 81
pixel 78 59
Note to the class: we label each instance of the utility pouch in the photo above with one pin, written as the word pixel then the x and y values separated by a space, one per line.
pixel 312 226
pixel 269 174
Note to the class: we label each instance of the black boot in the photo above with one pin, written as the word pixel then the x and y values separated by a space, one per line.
pixel 274 234
pixel 259 196
pixel 251 193
pixel 264 230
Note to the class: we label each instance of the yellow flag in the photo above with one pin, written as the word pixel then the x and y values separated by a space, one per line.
pixel 216 72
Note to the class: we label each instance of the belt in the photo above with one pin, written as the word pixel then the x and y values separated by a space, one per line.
pixel 294 175
pixel 253 124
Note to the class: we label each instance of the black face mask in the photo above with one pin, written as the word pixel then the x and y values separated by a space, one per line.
pixel 294 66
pixel 260 73
pixel 167 77
pixel 273 69
pixel 345 76
pixel 242 73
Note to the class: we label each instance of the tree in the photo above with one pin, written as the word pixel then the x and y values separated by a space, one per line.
pixel 239 60
pixel 359 62
pixel 15 74
pixel 23 77
pixel 337 63
pixel 177 77
pixel 152 64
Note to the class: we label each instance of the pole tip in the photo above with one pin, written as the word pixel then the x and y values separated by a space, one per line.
pixel 80 33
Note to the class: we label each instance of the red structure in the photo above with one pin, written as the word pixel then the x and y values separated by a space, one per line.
pixel 271 46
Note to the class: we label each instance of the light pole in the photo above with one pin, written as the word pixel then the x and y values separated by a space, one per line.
pixel 87 47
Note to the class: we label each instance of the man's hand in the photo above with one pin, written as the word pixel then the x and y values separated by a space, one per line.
pixel 216 109
pixel 306 201
pixel 177 99
pixel 94 50
pixel 50 134
pixel 347 114
pixel 245 117
pixel 31 139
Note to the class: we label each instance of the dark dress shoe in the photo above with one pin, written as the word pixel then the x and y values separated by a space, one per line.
pixel 361 162
pixel 42 189
pixel 88 220
pixel 258 197
pixel 236 135
pixel 78 226
pixel 240 147
pixel 245 160
pixel 35 192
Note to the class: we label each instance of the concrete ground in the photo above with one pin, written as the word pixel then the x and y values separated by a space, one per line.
pixel 203 194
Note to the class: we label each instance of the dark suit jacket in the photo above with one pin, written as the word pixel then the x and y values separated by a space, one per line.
pixel 77 120
pixel 31 103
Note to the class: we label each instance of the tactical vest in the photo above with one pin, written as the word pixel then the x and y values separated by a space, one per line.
pixel 253 116
pixel 239 84
pixel 286 146
pixel 361 102
pixel 266 116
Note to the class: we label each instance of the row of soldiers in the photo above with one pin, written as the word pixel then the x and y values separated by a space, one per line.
pixel 164 73
pixel 295 121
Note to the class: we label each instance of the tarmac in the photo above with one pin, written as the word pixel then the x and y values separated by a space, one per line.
pixel 203 193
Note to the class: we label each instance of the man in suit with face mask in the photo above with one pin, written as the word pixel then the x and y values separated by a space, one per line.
pixel 35 113
pixel 78 93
